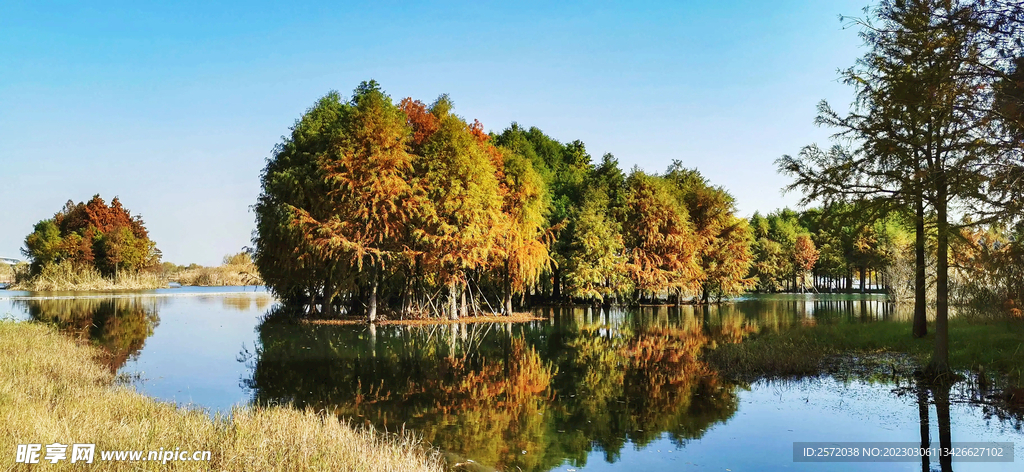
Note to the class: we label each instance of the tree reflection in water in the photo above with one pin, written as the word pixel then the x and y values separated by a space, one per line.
pixel 553 389
pixel 118 325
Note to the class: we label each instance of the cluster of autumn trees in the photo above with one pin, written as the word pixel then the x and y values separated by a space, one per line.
pixel 935 131
pixel 372 205
pixel 92 235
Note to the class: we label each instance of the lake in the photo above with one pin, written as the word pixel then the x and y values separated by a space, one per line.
pixel 583 389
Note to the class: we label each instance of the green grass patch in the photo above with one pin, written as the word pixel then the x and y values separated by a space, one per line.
pixel 995 346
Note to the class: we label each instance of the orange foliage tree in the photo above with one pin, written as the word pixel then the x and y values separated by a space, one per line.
pixel 724 240
pixel 661 245
pixel 462 208
pixel 805 255
pixel 360 222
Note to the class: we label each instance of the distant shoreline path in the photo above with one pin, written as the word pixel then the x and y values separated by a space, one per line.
pixel 130 295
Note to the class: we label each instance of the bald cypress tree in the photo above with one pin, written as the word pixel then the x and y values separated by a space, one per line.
pixel 336 198
pixel 462 207
pixel 914 135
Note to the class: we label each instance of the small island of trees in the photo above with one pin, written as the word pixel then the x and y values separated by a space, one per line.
pixel 371 206
pixel 90 245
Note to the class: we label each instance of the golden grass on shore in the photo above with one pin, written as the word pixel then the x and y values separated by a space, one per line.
pixel 225 275
pixel 6 273
pixel 66 277
pixel 52 390
pixel 514 318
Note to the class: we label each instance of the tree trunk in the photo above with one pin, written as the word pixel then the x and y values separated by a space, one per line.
pixel 939 366
pixel 406 306
pixel 920 288
pixel 453 302
pixel 506 295
pixel 556 285
pixel 463 309
pixel 327 308
pixel 922 414
pixel 371 306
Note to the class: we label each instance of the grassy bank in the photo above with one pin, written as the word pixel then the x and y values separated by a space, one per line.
pixel 52 390
pixel 990 345
pixel 65 277
pixel 225 275
pixel 237 269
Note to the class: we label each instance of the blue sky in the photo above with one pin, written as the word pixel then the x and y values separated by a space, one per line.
pixel 174 107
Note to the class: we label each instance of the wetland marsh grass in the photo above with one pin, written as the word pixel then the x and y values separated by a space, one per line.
pixel 53 390
pixel 994 345
pixel 66 277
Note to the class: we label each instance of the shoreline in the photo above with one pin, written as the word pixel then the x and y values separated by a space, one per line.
pixel 95 294
pixel 520 317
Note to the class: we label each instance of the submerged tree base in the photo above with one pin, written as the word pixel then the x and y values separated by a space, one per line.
pixel 519 317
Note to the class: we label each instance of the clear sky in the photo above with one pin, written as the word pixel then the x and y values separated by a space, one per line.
pixel 174 107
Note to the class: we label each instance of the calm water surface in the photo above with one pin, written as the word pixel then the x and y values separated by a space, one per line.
pixel 582 390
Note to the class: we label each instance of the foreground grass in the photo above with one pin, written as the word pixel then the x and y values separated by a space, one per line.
pixel 52 390
pixel 64 277
pixel 979 345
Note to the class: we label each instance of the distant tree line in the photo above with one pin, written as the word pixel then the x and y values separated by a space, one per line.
pixel 848 249
pixel 839 248
pixel 369 205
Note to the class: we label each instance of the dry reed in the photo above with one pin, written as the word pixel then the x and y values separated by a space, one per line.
pixel 66 277
pixel 52 390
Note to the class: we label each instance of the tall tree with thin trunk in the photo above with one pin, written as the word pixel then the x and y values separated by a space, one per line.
pixel 521 252
pixel 915 131
pixel 462 210
pixel 661 245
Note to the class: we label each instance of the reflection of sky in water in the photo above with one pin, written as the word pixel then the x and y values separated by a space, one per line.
pixel 772 416
pixel 193 356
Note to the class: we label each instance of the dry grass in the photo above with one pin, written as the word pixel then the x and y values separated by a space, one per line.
pixel 6 273
pixel 225 275
pixel 66 277
pixel 515 318
pixel 52 390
